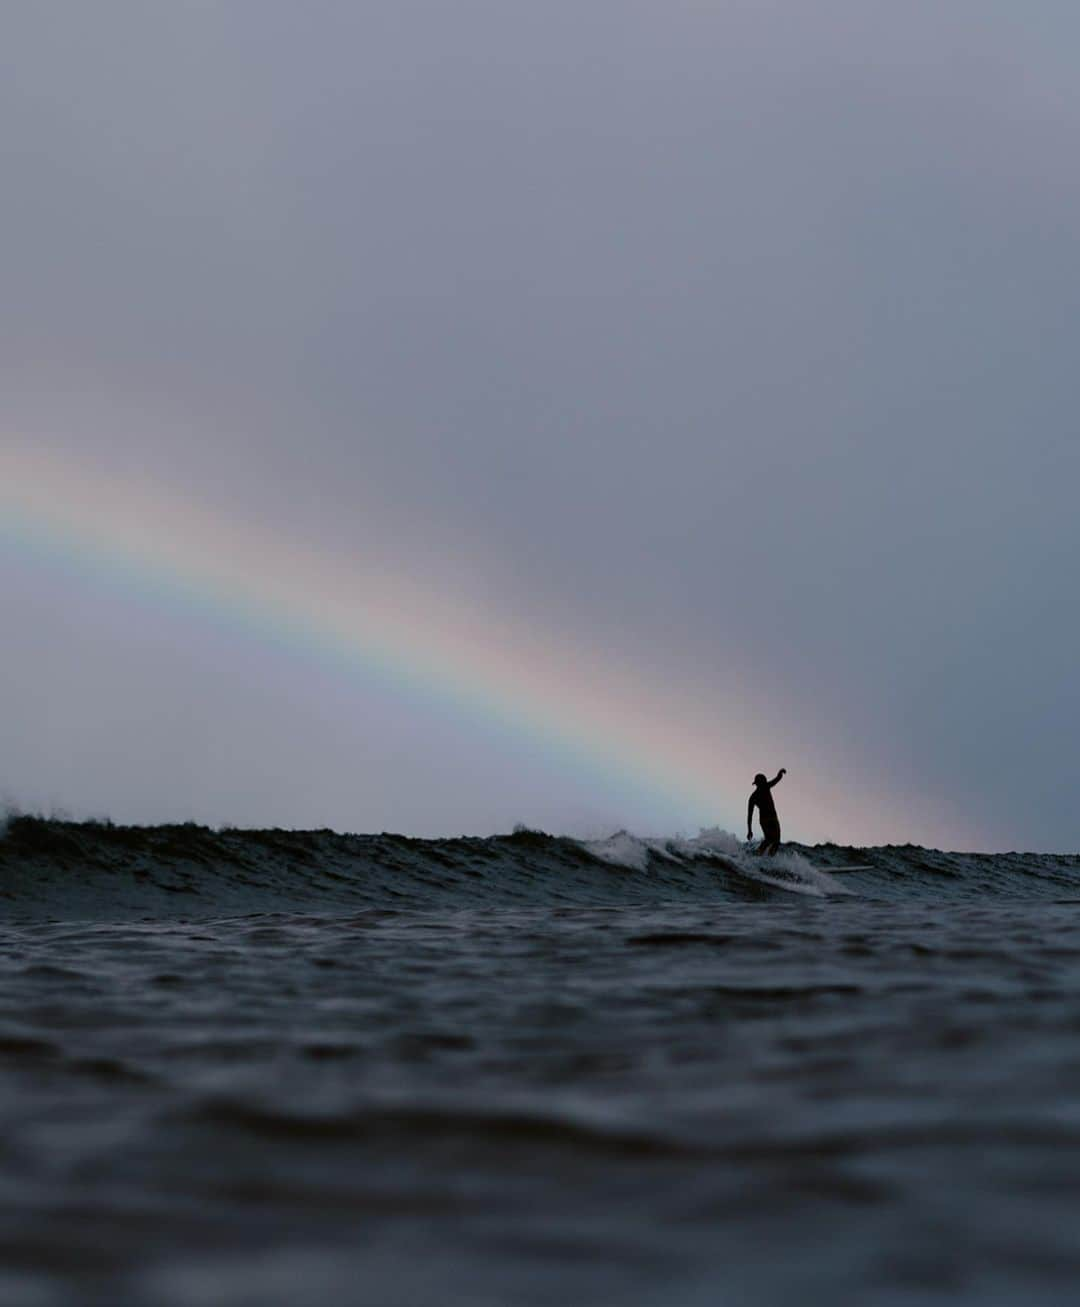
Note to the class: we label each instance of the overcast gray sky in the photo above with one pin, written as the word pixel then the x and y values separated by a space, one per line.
pixel 735 342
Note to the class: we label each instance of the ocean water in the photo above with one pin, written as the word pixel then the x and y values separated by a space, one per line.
pixel 261 1068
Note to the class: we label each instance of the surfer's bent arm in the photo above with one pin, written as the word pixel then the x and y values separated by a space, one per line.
pixel 778 777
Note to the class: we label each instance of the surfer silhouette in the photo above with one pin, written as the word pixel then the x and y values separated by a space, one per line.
pixel 770 823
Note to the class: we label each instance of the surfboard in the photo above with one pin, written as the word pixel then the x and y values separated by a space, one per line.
pixel 833 870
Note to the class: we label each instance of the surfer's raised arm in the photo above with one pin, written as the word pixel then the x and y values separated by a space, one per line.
pixel 778 777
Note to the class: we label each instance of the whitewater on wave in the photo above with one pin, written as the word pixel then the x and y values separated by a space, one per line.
pixel 789 870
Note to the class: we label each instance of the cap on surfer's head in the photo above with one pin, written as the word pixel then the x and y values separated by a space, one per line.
pixel 759 779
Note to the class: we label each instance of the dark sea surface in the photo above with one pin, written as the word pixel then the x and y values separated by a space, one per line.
pixel 261 1068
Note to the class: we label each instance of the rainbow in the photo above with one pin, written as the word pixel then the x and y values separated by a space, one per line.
pixel 552 695
pixel 549 692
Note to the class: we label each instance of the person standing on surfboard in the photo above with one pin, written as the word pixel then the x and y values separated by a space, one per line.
pixel 770 823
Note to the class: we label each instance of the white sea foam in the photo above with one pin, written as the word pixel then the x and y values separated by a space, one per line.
pixel 787 870
pixel 621 849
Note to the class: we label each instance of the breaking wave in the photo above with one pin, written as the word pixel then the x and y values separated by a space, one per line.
pixel 80 870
